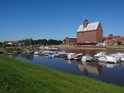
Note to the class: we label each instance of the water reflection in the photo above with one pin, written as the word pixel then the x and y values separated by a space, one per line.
pixel 89 68
pixel 70 61
pixel 112 73
pixel 110 65
pixel 28 57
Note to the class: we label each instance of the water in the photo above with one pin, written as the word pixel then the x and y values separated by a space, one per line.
pixel 110 73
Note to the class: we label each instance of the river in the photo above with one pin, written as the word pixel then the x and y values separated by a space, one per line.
pixel 110 73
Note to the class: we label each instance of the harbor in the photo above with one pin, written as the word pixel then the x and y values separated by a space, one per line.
pixel 61 46
pixel 109 72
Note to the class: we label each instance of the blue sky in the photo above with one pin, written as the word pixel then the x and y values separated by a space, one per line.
pixel 57 19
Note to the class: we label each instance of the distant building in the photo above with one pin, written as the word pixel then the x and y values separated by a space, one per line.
pixel 12 44
pixel 90 32
pixel 113 39
pixel 70 41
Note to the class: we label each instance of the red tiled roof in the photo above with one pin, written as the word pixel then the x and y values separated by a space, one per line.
pixel 111 37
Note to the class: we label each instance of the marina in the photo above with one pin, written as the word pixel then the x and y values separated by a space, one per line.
pixel 109 72
pixel 61 46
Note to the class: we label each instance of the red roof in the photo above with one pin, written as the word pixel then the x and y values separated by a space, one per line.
pixel 111 37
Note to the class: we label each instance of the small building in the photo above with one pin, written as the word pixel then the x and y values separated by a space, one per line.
pixel 12 44
pixel 70 41
pixel 90 32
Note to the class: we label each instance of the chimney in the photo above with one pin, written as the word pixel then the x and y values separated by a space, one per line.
pixel 85 23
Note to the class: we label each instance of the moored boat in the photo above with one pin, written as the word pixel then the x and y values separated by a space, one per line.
pixel 109 58
pixel 78 57
pixel 87 58
pixel 71 56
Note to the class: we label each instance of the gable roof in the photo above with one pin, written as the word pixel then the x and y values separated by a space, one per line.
pixel 90 26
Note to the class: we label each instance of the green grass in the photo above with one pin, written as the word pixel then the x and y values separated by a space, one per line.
pixel 11 50
pixel 21 77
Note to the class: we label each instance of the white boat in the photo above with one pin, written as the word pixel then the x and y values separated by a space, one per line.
pixel 36 53
pixel 87 58
pixel 109 58
pixel 53 49
pixel 121 56
pixel 61 53
pixel 71 56
pixel 100 55
pixel 113 59
pixel 122 59
pixel 102 59
pixel 78 57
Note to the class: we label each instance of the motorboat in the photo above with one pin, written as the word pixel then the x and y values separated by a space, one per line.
pixel 102 59
pixel 71 56
pixel 78 57
pixel 51 54
pixel 112 59
pixel 61 53
pixel 121 56
pixel 87 58
pixel 100 54
pixel 109 58
pixel 122 59
pixel 36 53
pixel 45 52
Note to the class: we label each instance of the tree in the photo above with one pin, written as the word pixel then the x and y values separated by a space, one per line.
pixel 59 42
pixel 52 42
pixel 1 43
pixel 26 42
pixel 44 41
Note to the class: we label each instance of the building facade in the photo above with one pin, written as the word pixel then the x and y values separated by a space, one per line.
pixel 71 41
pixel 90 33
pixel 113 39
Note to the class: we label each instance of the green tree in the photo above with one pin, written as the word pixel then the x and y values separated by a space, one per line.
pixel 1 43
pixel 27 42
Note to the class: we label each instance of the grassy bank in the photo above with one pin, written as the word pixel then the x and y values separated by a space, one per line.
pixel 20 77
pixel 10 50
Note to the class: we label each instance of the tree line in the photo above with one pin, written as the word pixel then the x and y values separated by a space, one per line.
pixel 40 42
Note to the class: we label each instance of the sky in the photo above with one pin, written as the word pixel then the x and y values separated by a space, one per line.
pixel 57 19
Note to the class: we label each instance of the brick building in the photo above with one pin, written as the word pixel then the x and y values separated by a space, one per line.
pixel 113 39
pixel 90 32
pixel 70 41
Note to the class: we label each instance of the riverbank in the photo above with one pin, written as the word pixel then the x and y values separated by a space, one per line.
pixel 20 77
pixel 69 47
